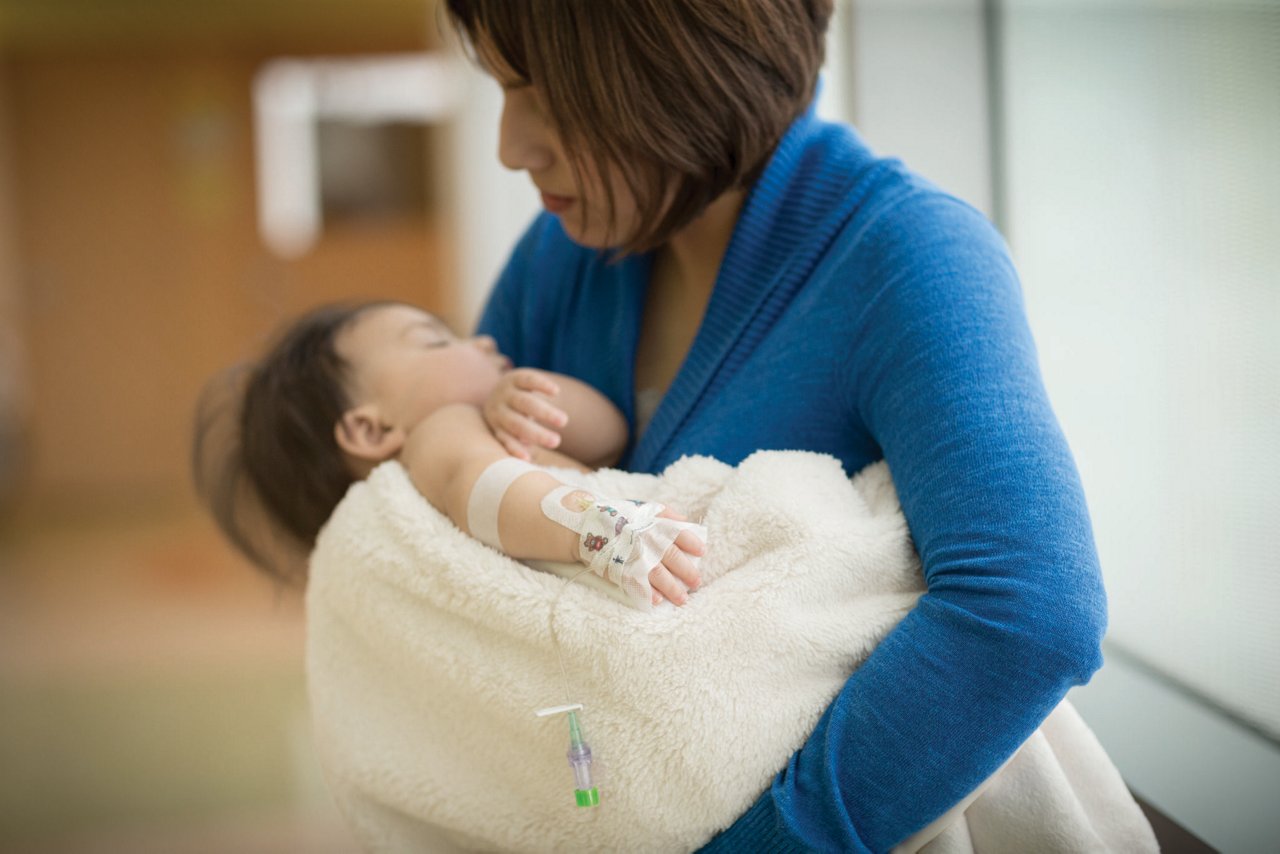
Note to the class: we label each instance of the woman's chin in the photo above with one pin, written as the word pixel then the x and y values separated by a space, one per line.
pixel 588 236
pixel 587 240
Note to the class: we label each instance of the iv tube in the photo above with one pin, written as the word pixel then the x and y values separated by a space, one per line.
pixel 584 790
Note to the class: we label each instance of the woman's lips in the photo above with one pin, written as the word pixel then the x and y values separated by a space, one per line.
pixel 556 204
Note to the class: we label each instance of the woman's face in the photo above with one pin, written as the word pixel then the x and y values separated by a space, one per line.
pixel 528 142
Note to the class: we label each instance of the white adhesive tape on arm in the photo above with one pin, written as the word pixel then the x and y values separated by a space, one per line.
pixel 486 498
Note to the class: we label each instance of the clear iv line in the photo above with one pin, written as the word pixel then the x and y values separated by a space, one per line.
pixel 586 794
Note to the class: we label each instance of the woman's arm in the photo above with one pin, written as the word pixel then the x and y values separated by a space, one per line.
pixel 447 453
pixel 942 372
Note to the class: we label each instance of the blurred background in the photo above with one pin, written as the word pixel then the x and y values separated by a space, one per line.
pixel 178 178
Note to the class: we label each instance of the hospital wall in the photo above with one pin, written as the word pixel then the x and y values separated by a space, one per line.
pixel 131 260
pixel 11 332
pixel 1126 150
pixel 151 684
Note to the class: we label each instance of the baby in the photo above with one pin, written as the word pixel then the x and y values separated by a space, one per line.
pixel 345 388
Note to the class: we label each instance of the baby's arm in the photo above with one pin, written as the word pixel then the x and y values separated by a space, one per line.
pixel 445 456
pixel 533 409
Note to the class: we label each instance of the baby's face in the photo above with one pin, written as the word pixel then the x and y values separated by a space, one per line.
pixel 410 364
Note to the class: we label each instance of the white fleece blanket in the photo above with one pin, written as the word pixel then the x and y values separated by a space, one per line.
pixel 428 653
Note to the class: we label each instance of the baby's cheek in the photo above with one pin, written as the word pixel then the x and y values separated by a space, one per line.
pixel 478 385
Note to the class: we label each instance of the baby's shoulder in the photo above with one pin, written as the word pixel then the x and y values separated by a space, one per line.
pixel 448 432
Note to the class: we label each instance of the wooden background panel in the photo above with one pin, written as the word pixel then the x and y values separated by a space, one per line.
pixel 140 268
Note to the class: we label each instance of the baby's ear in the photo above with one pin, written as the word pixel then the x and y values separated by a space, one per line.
pixel 362 433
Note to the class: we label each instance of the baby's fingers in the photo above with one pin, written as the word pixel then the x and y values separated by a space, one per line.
pixel 690 543
pixel 678 562
pixel 667 585
pixel 523 429
pixel 677 575
pixel 538 408
pixel 529 379
pixel 514 446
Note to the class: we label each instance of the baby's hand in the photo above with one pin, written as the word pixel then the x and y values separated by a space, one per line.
pixel 676 575
pixel 630 542
pixel 520 412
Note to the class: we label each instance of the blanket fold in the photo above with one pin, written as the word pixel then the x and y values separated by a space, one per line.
pixel 428 653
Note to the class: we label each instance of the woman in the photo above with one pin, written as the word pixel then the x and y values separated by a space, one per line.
pixel 736 274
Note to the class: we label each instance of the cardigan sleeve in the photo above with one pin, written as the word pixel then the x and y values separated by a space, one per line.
pixel 944 375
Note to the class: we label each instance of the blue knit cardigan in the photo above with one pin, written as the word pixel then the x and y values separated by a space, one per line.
pixel 861 312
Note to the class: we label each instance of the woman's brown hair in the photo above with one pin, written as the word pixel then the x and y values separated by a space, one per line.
pixel 264 458
pixel 699 91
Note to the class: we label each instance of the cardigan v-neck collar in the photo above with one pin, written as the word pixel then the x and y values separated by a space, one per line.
pixel 788 219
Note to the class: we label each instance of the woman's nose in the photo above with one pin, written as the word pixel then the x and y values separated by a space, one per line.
pixel 524 141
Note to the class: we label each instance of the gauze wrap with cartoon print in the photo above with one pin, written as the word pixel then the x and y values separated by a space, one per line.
pixel 619 540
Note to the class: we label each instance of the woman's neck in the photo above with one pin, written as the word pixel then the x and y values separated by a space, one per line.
pixel 680 284
pixel 694 254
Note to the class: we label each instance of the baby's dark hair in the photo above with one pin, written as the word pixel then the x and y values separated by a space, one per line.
pixel 265 460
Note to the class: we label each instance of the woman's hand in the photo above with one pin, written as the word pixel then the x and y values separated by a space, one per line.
pixel 677 575
pixel 521 414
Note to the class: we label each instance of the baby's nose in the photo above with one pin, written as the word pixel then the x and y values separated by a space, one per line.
pixel 485 343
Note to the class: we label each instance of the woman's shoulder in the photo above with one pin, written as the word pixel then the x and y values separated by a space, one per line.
pixel 907 250
pixel 914 211
pixel 828 199
pixel 829 169
pixel 907 234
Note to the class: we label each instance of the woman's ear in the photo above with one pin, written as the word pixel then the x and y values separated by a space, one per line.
pixel 362 433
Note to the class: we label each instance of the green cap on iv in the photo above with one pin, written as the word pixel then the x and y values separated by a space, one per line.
pixel 584 793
